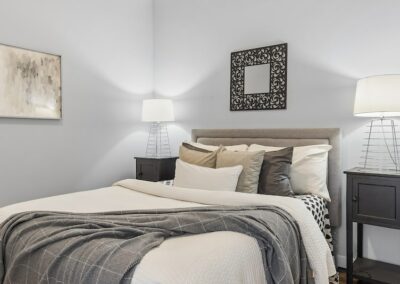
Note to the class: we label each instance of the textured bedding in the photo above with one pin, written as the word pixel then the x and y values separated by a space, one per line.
pixel 319 209
pixel 106 247
pixel 134 195
pixel 315 204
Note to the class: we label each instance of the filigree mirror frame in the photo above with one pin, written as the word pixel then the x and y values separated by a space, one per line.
pixel 276 57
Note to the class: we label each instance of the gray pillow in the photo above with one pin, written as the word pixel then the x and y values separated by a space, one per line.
pixel 274 174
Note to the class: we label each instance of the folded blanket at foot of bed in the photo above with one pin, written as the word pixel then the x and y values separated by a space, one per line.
pixel 105 247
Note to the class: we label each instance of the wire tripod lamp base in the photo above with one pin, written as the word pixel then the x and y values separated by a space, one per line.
pixel 158 141
pixel 381 147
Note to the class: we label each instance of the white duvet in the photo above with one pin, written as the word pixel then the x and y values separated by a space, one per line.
pixel 220 257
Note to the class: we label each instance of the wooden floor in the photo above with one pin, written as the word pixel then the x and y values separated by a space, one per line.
pixel 342 277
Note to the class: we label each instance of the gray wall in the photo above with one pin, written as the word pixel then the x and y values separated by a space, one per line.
pixel 331 45
pixel 107 65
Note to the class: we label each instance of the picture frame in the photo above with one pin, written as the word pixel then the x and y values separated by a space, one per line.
pixel 251 67
pixel 30 83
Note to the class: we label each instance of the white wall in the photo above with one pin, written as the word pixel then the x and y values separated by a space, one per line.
pixel 107 63
pixel 331 45
pixel 107 66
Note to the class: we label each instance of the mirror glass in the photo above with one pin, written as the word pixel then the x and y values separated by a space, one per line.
pixel 256 79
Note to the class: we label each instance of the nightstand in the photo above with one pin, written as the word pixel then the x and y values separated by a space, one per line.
pixel 155 169
pixel 373 198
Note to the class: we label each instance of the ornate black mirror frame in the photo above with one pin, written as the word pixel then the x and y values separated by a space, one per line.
pixel 276 57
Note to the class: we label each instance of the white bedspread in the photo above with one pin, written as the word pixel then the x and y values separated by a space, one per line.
pixel 220 257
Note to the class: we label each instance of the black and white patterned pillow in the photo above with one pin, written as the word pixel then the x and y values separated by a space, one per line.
pixel 316 206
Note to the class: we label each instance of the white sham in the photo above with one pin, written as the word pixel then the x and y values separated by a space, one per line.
pixel 192 176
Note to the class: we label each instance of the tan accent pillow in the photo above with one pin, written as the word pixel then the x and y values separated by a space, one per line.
pixel 197 156
pixel 251 162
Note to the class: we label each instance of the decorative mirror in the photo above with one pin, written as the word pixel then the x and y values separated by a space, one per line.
pixel 259 78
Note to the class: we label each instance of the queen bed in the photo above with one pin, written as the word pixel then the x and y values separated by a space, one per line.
pixel 143 232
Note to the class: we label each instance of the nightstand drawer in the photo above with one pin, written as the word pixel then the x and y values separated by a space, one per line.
pixel 147 170
pixel 376 200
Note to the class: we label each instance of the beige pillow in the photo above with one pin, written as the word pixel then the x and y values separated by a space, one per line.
pixel 240 147
pixel 251 162
pixel 197 156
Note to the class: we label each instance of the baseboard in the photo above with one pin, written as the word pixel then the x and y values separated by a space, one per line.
pixel 341 261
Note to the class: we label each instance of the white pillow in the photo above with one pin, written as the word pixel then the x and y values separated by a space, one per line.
pixel 309 168
pixel 241 147
pixel 192 176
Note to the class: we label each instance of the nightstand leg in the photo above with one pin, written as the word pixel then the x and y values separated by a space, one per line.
pixel 349 241
pixel 360 236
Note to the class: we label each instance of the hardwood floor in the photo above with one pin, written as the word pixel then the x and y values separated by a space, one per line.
pixel 342 278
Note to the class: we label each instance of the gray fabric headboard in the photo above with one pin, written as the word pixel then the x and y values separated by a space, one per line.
pixel 286 137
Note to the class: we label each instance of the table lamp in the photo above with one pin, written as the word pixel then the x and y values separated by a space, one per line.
pixel 379 97
pixel 158 111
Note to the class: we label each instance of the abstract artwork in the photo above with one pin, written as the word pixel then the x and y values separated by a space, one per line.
pixel 259 78
pixel 30 84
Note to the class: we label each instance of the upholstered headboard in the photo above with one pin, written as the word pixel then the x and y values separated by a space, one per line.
pixel 286 137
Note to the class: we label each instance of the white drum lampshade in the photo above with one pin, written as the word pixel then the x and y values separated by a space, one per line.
pixel 379 97
pixel 158 111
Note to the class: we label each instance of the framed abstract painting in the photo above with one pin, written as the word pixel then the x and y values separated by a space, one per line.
pixel 30 84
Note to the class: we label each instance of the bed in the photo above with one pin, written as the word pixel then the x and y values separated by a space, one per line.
pixel 31 230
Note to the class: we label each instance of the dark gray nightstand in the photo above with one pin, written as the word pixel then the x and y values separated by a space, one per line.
pixel 155 169
pixel 373 198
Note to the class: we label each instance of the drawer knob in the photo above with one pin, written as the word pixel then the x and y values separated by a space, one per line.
pixel 354 198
